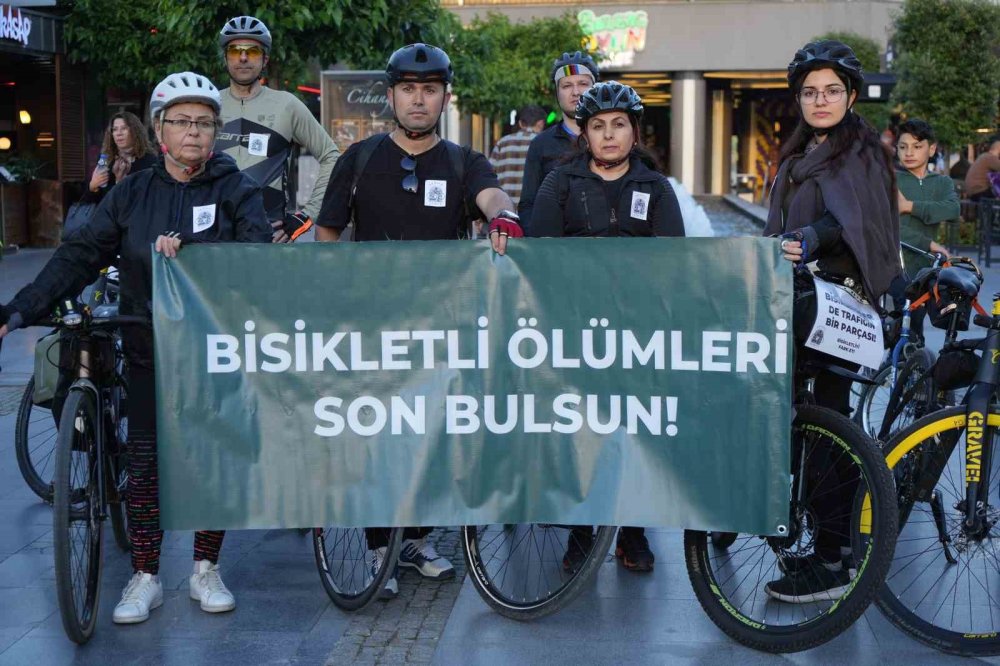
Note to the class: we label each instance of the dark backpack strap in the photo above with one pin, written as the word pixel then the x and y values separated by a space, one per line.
pixel 365 151
pixel 457 155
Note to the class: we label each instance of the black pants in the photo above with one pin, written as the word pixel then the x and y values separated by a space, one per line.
pixel 378 537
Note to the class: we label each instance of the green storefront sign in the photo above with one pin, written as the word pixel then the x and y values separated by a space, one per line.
pixel 598 381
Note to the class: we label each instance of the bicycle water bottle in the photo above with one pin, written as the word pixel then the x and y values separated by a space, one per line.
pixel 102 163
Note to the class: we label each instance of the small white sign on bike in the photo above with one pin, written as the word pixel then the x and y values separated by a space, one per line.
pixel 846 327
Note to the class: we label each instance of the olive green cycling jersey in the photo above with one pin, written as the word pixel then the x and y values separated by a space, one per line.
pixel 259 133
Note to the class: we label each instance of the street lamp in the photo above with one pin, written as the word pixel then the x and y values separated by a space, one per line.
pixel 25 117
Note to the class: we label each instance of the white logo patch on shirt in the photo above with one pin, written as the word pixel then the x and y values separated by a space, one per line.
pixel 202 217
pixel 640 205
pixel 435 193
pixel 257 144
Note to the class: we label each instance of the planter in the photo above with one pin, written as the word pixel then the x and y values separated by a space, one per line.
pixel 14 212
pixel 45 212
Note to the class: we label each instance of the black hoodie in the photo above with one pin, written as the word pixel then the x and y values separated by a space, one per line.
pixel 148 204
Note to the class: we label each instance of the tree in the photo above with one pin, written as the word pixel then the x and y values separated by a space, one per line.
pixel 948 65
pixel 135 44
pixel 868 52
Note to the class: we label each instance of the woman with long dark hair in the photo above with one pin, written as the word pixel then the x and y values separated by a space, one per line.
pixel 833 202
pixel 128 149
pixel 607 188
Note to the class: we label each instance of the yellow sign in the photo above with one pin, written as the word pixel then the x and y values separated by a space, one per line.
pixel 618 37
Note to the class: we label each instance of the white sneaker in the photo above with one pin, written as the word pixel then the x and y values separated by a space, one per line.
pixel 391 589
pixel 142 594
pixel 419 554
pixel 207 587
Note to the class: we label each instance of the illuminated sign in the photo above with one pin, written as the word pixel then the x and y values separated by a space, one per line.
pixel 13 25
pixel 618 37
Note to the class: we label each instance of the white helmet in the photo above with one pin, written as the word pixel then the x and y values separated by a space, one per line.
pixel 184 87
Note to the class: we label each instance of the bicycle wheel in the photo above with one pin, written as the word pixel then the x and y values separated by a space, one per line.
pixel 76 517
pixel 116 483
pixel 907 402
pixel 723 540
pixel 943 587
pixel 518 569
pixel 345 564
pixel 35 444
pixel 731 584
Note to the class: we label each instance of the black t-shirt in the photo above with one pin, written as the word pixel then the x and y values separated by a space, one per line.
pixel 613 190
pixel 385 211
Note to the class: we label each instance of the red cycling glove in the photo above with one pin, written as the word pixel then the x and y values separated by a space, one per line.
pixel 506 224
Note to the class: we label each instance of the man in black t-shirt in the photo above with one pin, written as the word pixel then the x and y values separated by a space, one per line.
pixel 410 184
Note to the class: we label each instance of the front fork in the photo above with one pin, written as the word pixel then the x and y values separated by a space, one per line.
pixel 979 436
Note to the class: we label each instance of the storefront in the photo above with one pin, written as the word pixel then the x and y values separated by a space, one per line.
pixel 41 126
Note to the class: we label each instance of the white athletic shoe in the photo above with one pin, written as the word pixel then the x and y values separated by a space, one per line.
pixel 142 594
pixel 420 554
pixel 207 587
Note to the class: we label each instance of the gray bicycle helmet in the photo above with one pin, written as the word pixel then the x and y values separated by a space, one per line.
pixel 608 96
pixel 245 27
pixel 826 54
pixel 419 62
pixel 575 61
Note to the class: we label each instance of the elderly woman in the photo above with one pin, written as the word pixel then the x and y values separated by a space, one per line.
pixel 128 150
pixel 155 207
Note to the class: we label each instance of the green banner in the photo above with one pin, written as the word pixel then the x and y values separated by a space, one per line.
pixel 601 381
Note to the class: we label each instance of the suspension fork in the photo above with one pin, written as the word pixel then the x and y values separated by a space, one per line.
pixel 978 434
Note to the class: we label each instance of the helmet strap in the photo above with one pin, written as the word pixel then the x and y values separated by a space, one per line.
pixel 189 171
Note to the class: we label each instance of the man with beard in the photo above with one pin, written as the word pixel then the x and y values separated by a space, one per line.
pixel 416 186
pixel 262 125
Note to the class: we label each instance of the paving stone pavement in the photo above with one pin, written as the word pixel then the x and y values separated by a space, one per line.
pixel 405 630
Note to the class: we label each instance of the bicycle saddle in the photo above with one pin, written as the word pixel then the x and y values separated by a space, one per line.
pixel 959 280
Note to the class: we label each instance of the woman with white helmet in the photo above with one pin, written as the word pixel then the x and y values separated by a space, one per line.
pixel 155 207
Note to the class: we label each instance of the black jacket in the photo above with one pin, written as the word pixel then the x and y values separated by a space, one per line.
pixel 572 202
pixel 147 161
pixel 126 223
pixel 544 153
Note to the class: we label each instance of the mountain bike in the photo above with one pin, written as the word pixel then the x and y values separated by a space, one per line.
pixel 943 587
pixel 840 492
pixel 89 476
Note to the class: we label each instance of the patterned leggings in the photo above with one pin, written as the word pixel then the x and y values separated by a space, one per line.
pixel 143 481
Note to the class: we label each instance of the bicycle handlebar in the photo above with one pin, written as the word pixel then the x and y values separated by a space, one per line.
pixel 98 322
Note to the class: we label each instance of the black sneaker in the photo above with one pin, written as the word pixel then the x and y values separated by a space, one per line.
pixel 580 543
pixel 633 549
pixel 806 563
pixel 816 583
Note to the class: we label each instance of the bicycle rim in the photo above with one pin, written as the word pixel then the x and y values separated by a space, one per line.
pixel 732 583
pixel 951 605
pixel 76 518
pixel 344 560
pixel 519 569
pixel 35 442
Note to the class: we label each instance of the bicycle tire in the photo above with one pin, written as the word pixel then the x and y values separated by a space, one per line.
pixel 343 568
pixel 871 404
pixel 35 444
pixel 77 502
pixel 723 540
pixel 872 527
pixel 116 483
pixel 909 454
pixel 513 599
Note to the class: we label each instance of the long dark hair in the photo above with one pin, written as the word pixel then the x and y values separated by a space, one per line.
pixel 852 131
pixel 140 139
pixel 639 150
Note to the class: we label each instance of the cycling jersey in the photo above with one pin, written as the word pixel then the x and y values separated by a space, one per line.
pixel 259 132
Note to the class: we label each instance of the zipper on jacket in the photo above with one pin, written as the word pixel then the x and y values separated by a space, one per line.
pixel 586 208
pixel 180 207
pixel 614 223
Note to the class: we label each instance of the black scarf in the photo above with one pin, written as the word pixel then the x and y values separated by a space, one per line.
pixel 859 194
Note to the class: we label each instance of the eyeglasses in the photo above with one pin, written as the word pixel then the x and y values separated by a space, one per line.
pixel 234 51
pixel 410 182
pixel 831 95
pixel 185 124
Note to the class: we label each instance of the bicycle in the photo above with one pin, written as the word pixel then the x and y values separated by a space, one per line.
pixel 730 573
pixel 347 564
pixel 35 426
pixel 89 478
pixel 940 588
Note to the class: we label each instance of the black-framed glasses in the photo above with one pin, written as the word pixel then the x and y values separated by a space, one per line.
pixel 186 124
pixel 410 182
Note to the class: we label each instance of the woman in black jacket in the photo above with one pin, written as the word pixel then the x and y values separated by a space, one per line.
pixel 834 202
pixel 190 195
pixel 607 189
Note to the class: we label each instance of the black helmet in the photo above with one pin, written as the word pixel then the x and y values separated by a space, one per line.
pixel 419 62
pixel 245 27
pixel 608 96
pixel 826 54
pixel 577 59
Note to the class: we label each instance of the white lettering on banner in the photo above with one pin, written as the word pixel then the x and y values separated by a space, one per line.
pixel 14 25
pixel 846 327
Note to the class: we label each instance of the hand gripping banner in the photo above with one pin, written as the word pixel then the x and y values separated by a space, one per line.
pixel 574 381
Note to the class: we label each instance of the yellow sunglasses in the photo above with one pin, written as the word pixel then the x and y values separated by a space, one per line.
pixel 236 50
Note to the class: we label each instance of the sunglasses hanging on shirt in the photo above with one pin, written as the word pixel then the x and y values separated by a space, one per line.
pixel 410 182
